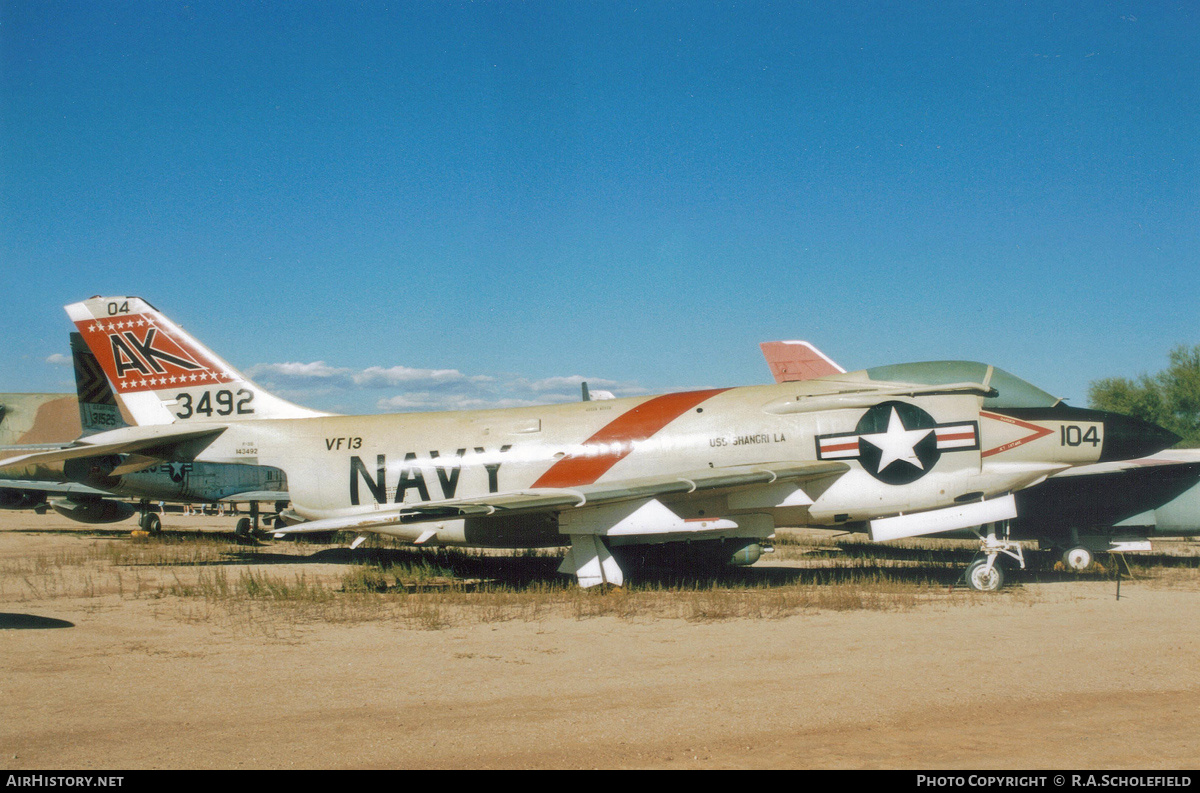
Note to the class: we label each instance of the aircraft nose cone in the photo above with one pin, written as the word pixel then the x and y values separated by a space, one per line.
pixel 1127 438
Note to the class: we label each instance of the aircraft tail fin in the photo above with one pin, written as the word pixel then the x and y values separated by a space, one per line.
pixel 163 374
pixel 98 408
pixel 797 360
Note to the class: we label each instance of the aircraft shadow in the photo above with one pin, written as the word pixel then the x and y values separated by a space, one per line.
pixel 522 571
pixel 31 622
pixel 838 564
pixel 525 570
pixel 858 550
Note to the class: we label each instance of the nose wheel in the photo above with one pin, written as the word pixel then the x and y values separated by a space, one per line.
pixel 985 574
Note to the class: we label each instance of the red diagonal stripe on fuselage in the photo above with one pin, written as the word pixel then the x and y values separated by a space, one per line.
pixel 615 440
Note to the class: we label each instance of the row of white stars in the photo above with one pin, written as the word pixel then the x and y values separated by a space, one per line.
pixel 99 326
pixel 130 382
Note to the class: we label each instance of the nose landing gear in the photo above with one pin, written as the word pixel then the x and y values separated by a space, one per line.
pixel 985 574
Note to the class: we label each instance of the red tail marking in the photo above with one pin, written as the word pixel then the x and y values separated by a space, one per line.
pixel 791 361
pixel 138 355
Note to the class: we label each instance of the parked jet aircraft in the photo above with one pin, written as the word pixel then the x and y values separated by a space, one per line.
pixel 84 489
pixel 904 450
pixel 1180 516
pixel 1111 506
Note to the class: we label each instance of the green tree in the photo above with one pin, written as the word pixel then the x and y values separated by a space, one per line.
pixel 1170 398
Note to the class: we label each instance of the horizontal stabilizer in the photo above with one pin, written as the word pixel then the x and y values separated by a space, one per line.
pixel 151 444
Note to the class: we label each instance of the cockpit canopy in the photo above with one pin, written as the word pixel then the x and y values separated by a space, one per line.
pixel 1013 392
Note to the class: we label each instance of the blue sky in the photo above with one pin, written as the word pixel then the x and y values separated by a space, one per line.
pixel 374 206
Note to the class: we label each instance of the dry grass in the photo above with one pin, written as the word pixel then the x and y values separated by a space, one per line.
pixel 278 589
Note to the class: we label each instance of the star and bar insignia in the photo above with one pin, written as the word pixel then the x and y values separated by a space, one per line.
pixel 898 443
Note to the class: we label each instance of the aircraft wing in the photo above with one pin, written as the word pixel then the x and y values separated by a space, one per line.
pixel 74 488
pixel 560 499
pixel 1172 457
pixel 257 495
pixel 57 488
pixel 147 446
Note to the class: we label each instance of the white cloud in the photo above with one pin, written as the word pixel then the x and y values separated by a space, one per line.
pixel 319 384
pixel 59 359
pixel 557 383
pixel 316 369
pixel 395 375
pixel 563 389
pixel 420 401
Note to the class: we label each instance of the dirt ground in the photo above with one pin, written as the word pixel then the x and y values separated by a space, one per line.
pixel 1056 674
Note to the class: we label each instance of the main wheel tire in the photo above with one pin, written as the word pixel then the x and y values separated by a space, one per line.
pixel 1078 558
pixel 243 528
pixel 982 578
pixel 153 523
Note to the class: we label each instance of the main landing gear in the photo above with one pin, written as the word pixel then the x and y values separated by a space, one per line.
pixel 1077 558
pixel 248 527
pixel 1076 555
pixel 148 521
pixel 986 574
